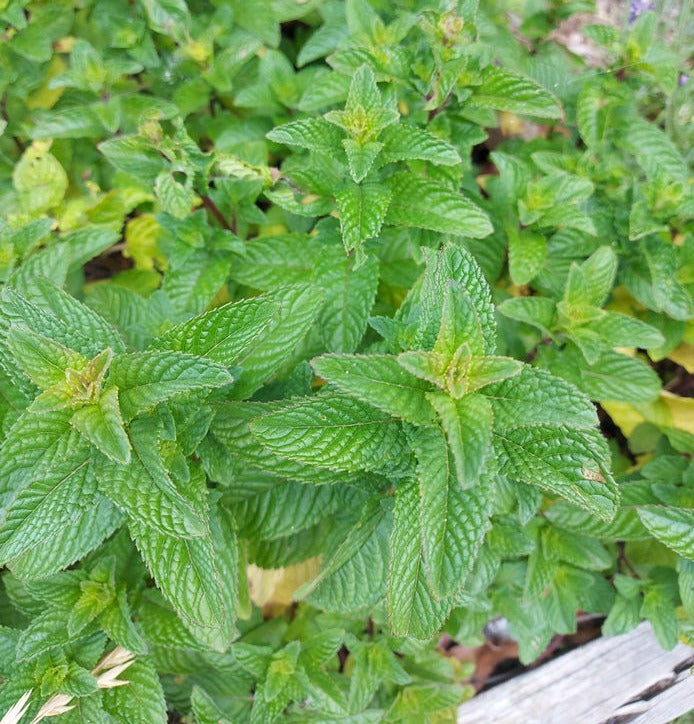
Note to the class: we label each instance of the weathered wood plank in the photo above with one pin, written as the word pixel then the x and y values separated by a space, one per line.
pixel 675 700
pixel 592 684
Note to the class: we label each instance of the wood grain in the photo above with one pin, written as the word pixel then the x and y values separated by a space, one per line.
pixel 601 681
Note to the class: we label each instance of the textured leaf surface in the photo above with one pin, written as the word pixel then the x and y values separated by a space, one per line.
pixel 146 493
pixel 231 427
pixel 614 376
pixel 535 397
pixel 44 322
pixel 49 502
pixel 313 134
pixel 101 423
pixel 569 463
pixel 362 210
pixel 86 531
pixel 453 263
pixel 343 556
pixel 412 609
pixel 453 521
pixel 672 526
pixel 187 573
pixel 269 262
pixel 298 307
pixel 424 204
pixel 468 426
pixel 142 700
pixel 43 360
pixel 35 445
pixel 506 91
pixel 147 378
pixel 540 312
pixel 332 432
pixel 361 581
pixel 349 294
pixel 285 509
pixel 404 141
pixel 380 381
pixel 621 330
pixel 66 307
pixel 223 334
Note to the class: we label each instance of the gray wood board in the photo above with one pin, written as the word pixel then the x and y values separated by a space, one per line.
pixel 605 679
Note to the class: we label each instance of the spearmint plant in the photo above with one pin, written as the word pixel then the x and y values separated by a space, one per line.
pixel 328 328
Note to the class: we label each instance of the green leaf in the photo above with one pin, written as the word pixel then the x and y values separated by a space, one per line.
pixel 40 180
pixel 231 428
pixel 46 631
pixel 579 550
pixel 144 379
pixel 404 141
pixel 360 157
pixel 64 306
pixel 19 311
pixel 356 567
pixel 412 609
pixel 43 360
pixel 658 608
pixel 539 312
pixel 101 423
pixel 624 616
pixel 144 490
pixel 426 701
pixel 460 323
pixel 652 148
pixel 187 572
pixel 467 423
pixel 614 376
pixel 313 134
pixel 175 198
pixel 482 371
pixel 365 114
pixel 49 501
pixel 505 91
pixel 359 536
pixel 672 526
pixel 362 209
pixel 621 330
pixel 424 204
pixel 453 266
pixel 591 282
pixel 563 461
pixel 625 526
pixel 86 531
pixel 536 397
pixel 223 334
pixel 191 288
pixel 453 521
pixel 142 700
pixel 273 261
pixel 527 251
pixel 380 381
pixel 332 432
pixel 299 305
pixel 286 508
pixel 135 156
pixel 204 708
pixel 32 447
pixel 349 294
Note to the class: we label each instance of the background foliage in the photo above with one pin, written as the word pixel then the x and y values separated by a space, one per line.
pixel 303 308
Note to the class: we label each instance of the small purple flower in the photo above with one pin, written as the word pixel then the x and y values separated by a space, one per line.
pixel 638 8
pixel 682 80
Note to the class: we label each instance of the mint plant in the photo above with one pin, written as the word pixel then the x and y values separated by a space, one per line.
pixel 328 328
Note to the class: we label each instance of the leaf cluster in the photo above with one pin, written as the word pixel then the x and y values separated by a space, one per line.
pixel 327 328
